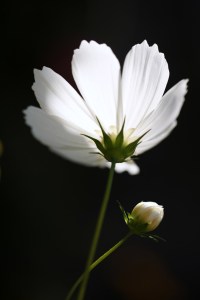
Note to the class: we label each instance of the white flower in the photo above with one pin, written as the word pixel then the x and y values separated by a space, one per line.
pixel 136 97
pixel 147 216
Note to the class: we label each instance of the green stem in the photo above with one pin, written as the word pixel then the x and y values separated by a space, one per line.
pixel 96 233
pixel 96 263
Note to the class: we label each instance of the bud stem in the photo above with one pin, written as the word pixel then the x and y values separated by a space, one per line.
pixel 96 263
pixel 97 232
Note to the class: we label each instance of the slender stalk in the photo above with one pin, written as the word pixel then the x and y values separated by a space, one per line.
pixel 96 263
pixel 96 234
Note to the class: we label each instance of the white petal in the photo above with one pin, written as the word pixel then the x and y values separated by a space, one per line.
pixel 96 71
pixel 148 144
pixel 129 167
pixel 58 98
pixel 60 137
pixel 81 156
pixel 163 119
pixel 144 78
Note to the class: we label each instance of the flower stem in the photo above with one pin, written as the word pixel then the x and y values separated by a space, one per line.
pixel 96 234
pixel 96 263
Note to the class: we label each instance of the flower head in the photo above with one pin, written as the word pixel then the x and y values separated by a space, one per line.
pixel 117 117
pixel 146 216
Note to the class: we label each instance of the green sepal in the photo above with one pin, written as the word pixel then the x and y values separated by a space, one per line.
pixel 130 149
pixel 97 153
pixel 156 237
pixel 106 139
pixel 135 157
pixel 137 228
pixel 97 142
pixel 153 237
pixel 120 137
pixel 134 226
pixel 125 216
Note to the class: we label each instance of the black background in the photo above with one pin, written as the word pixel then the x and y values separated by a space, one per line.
pixel 50 205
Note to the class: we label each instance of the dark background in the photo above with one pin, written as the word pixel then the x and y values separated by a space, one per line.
pixel 49 205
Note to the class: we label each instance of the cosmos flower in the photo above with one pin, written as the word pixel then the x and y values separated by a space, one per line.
pixel 146 216
pixel 116 117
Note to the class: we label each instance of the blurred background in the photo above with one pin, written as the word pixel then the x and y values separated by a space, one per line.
pixel 49 205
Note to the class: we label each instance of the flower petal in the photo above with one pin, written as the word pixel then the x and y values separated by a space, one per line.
pixel 96 71
pixel 144 78
pixel 81 156
pixel 163 119
pixel 57 97
pixel 148 144
pixel 129 166
pixel 60 137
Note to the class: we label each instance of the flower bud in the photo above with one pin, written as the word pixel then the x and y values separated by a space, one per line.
pixel 145 217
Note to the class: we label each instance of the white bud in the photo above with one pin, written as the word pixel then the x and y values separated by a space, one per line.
pixel 149 213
